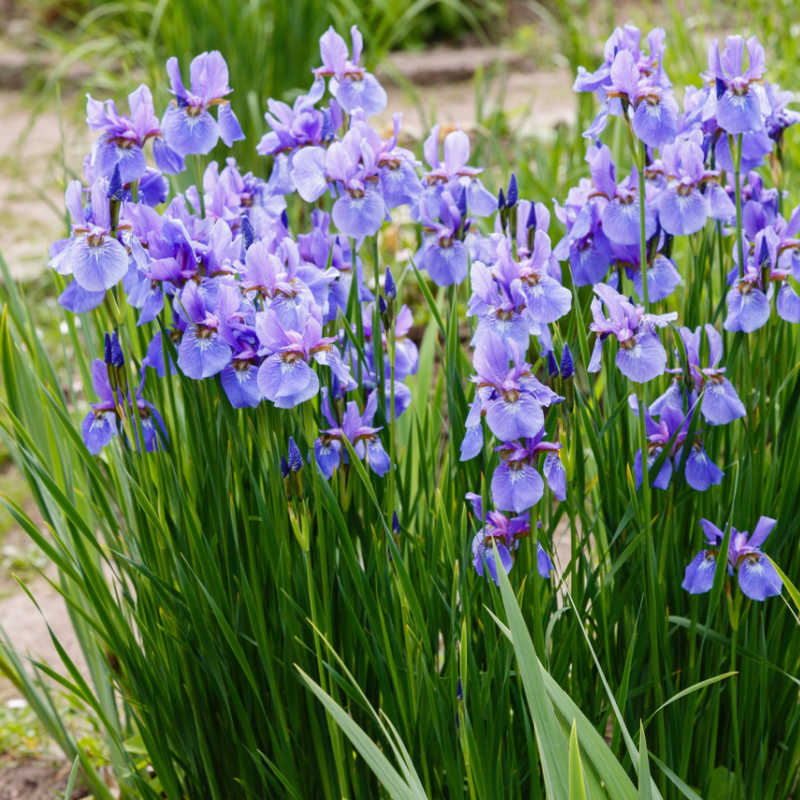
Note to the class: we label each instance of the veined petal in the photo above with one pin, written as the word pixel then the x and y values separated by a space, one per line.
pixel 187 134
pixel 699 575
pixel 758 578
pixel 287 383
pixel 359 216
pixel 98 267
pixel 721 403
pixel 516 489
pixel 520 419
pixel 646 360
pixel 201 356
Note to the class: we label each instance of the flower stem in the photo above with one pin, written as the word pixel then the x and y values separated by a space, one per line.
pixel 738 188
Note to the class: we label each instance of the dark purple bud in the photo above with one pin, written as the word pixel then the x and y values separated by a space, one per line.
pixel 763 253
pixel 501 200
pixel 389 288
pixel 115 185
pixel 460 690
pixel 382 304
pixel 328 128
pixel 113 351
pixel 513 192
pixel 461 202
pixel 567 364
pixel 721 87
pixel 552 365
pixel 285 219
pixel 284 467
pixel 531 223
pixel 395 522
pixel 295 459
pixel 248 233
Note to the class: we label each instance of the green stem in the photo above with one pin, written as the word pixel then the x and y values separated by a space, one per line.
pixel 738 187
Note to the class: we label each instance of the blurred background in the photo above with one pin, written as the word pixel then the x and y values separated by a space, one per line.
pixel 500 68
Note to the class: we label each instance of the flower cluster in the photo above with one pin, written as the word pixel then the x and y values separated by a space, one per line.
pixel 516 294
pixel 282 315
pixel 691 166
pixel 245 300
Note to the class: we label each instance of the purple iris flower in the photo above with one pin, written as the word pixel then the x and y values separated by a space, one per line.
pixel 779 117
pixel 350 83
pixel 547 300
pixel 294 126
pixel 517 484
pixel 772 259
pixel 187 125
pixel 690 193
pixel 738 108
pixel 443 253
pixel 511 398
pixel 103 422
pixel 721 403
pixel 357 428
pixel 351 165
pixel 454 172
pixel 504 532
pixel 283 282
pixel 620 218
pixel 93 255
pixel 641 356
pixel 500 530
pixel 758 579
pixel 499 306
pixel 286 377
pixel 662 276
pixel 123 138
pixel 633 84
pixel 700 471
pixel 239 378
pixel 206 344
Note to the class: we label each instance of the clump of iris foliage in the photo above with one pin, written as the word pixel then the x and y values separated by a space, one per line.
pixel 283 490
